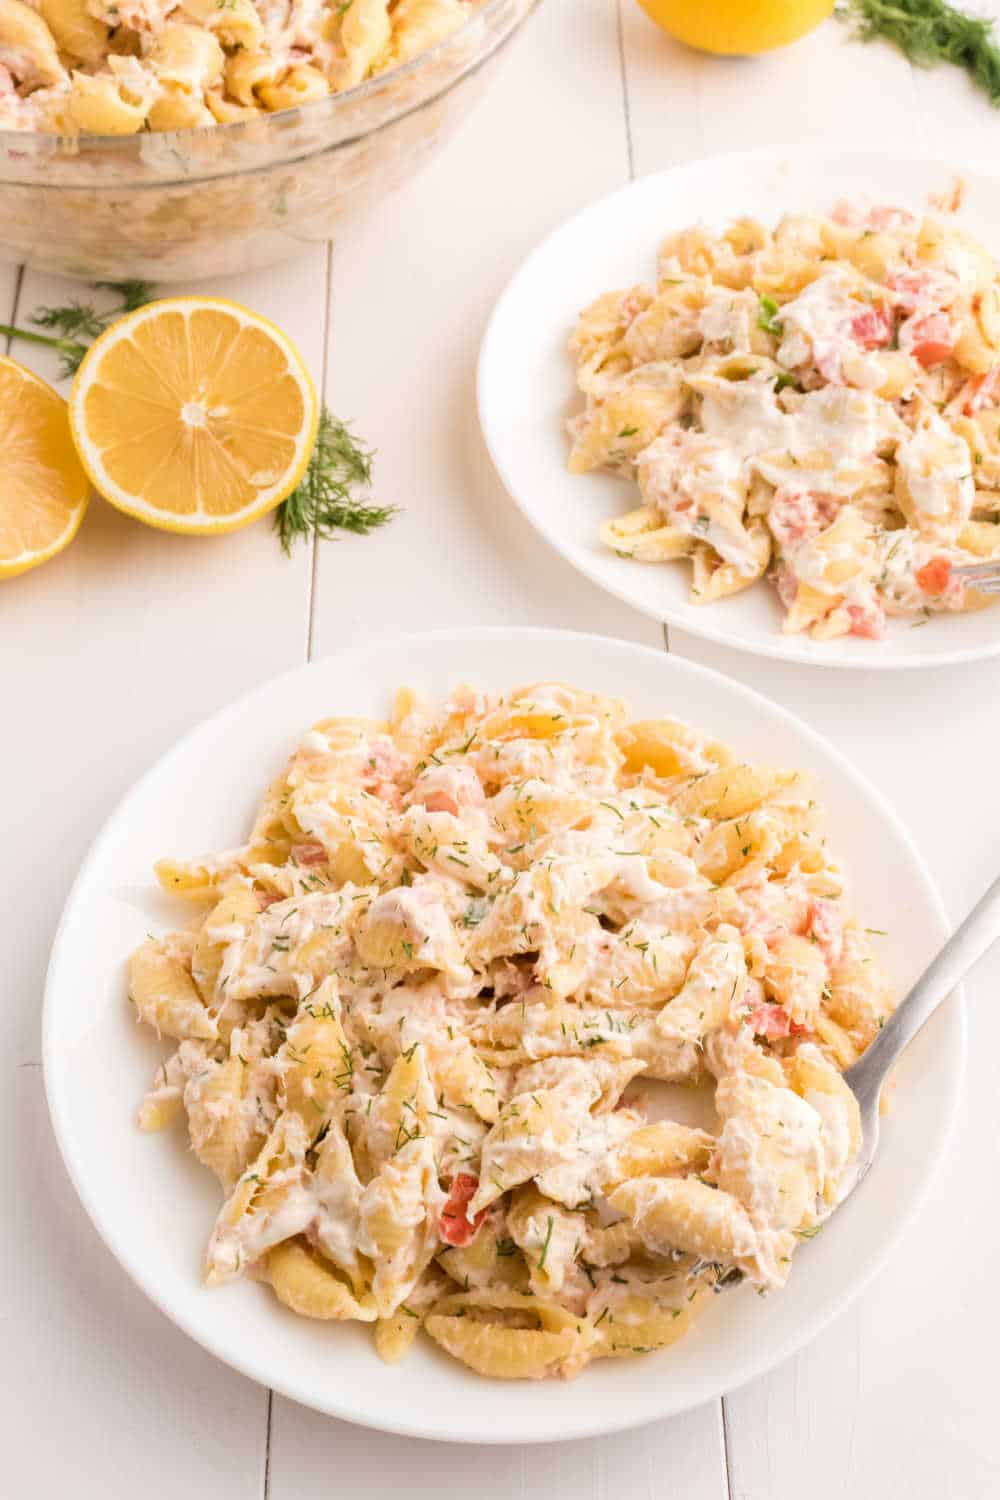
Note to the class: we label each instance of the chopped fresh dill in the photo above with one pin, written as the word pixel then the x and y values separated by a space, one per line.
pixel 767 315
pixel 326 500
pixel 77 324
pixel 930 32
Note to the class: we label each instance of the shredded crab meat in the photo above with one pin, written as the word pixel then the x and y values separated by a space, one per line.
pixel 813 404
pixel 436 1093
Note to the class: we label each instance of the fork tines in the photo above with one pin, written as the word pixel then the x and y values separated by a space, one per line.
pixel 984 576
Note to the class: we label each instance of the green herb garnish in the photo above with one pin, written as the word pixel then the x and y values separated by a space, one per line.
pixel 545 1247
pixel 77 324
pixel 326 500
pixel 929 32
pixel 767 315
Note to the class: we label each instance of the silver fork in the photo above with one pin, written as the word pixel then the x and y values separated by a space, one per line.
pixel 964 948
pixel 984 576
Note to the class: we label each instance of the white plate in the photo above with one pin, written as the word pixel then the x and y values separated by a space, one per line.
pixel 527 387
pixel 154 1204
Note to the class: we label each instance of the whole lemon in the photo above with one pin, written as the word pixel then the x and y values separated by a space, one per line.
pixel 737 26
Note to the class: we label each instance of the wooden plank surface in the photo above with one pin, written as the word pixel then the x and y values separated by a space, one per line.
pixel 405 335
pixel 110 652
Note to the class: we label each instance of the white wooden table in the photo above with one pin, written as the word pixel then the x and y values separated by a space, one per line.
pixel 110 652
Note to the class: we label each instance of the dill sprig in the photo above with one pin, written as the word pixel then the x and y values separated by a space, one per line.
pixel 930 32
pixel 326 499
pixel 77 324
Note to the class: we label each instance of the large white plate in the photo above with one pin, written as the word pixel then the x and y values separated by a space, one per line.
pixel 527 388
pixel 154 1204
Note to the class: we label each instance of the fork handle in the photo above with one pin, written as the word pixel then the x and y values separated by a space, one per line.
pixel 963 949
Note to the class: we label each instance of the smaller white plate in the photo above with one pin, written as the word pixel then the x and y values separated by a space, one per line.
pixel 155 1205
pixel 527 388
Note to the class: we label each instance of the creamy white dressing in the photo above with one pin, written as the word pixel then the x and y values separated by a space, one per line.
pixel 813 559
pixel 936 466
pixel 699 484
pixel 742 415
pixel 728 318
pixel 457 784
pixel 576 1180
pixel 684 465
pixel 237 1241
pixel 770 1135
pixel 746 418
pixel 711 994
pixel 783 392
pixel 423 1031
pixel 453 847
pixel 257 1233
pixel 835 1131
pixel 261 962
pixel 855 424
pixel 504 1161
pixel 817 330
pixel 899 556
pixel 314 742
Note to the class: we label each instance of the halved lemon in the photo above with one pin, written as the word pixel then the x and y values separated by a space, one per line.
pixel 740 27
pixel 43 488
pixel 194 414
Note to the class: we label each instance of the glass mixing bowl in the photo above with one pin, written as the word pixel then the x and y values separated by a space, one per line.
pixel 177 204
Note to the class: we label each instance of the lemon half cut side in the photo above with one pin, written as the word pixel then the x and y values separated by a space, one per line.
pixel 194 414
pixel 43 488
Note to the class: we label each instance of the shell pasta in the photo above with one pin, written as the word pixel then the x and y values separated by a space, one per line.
pixel 816 403
pixel 115 67
pixel 423 1011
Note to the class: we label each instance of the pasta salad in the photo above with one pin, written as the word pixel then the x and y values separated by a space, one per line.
pixel 818 404
pixel 116 67
pixel 425 1024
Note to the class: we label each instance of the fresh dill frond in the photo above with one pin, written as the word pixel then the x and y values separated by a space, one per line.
pixel 930 32
pixel 326 499
pixel 74 321
pixel 77 324
pixel 329 498
pixel 133 293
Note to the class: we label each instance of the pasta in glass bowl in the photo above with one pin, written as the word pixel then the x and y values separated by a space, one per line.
pixel 98 180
